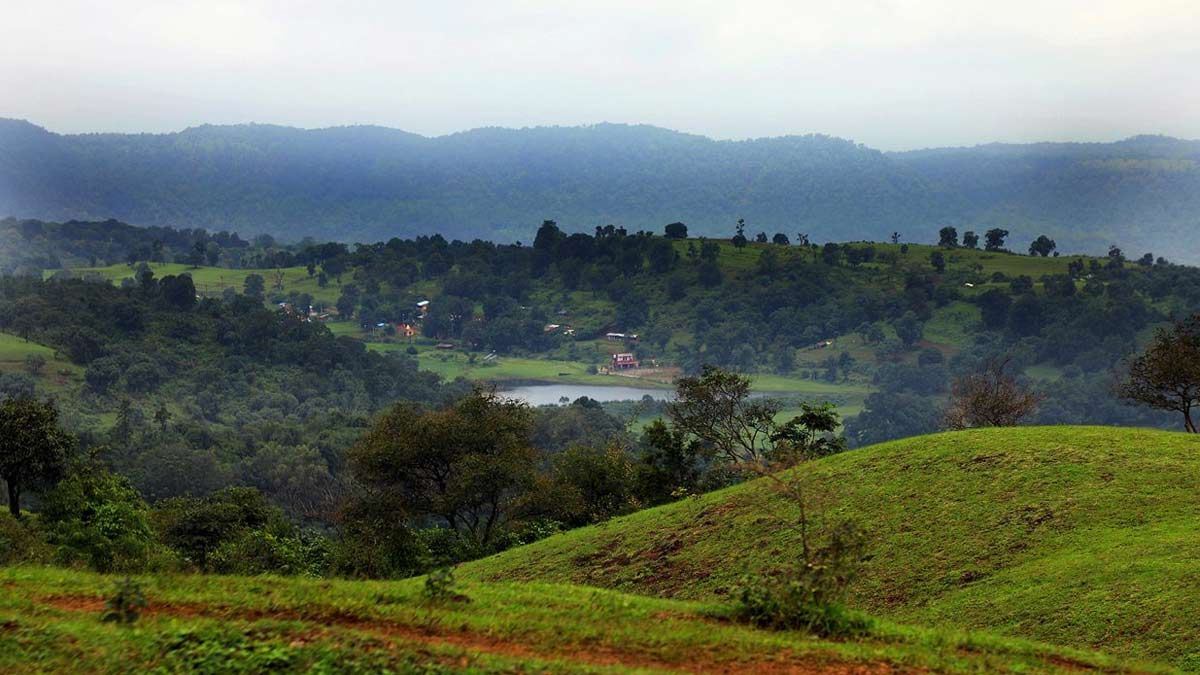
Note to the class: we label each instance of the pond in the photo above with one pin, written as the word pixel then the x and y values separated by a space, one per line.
pixel 549 394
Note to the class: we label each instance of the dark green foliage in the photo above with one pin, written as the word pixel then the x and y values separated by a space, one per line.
pixel 463 464
pixel 197 527
pixel 33 450
pixel 126 603
pixel 98 518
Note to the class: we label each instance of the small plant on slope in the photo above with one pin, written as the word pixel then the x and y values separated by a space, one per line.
pixel 810 595
pixel 439 587
pixel 126 603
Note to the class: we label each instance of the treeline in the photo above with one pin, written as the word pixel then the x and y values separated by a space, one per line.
pixel 424 485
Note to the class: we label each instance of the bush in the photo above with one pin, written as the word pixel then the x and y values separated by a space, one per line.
pixel 126 603
pixel 811 599
pixel 21 541
pixel 263 552
pixel 97 518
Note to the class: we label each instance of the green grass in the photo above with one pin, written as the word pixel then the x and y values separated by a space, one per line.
pixel 452 364
pixel 212 281
pixel 1083 536
pixel 56 375
pixel 50 622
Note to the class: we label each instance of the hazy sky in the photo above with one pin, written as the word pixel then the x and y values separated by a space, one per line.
pixel 891 74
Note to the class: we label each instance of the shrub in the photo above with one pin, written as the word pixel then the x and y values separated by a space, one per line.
pixel 126 603
pixel 21 541
pixel 811 597
pixel 97 518
pixel 439 587
pixel 264 552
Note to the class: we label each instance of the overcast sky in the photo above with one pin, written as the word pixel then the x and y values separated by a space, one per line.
pixel 891 74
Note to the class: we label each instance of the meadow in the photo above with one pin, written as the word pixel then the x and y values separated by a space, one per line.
pixel 50 621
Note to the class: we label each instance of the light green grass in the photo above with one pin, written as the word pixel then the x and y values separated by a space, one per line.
pixel 56 375
pixel 212 281
pixel 452 364
pixel 1084 536
pixel 50 622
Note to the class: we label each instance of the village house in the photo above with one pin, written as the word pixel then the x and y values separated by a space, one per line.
pixel 624 361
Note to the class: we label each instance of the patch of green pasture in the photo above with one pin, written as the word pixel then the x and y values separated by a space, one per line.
pixel 212 281
pixel 230 624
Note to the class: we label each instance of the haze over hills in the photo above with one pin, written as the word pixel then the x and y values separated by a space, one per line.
pixel 372 183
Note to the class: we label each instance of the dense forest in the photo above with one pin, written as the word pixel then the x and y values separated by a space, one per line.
pixel 364 183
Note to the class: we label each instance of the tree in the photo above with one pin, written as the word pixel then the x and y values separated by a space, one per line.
pixel 254 286
pixel 938 261
pixel 909 329
pixel 994 239
pixel 970 239
pixel 780 239
pixel 33 450
pixel 716 408
pixel 989 398
pixel 1167 375
pixel 676 231
pixel 1042 246
pixel 739 238
pixel 948 237
pixel 465 463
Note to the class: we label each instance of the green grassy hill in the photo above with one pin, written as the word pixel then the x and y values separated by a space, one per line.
pixel 50 621
pixel 1083 536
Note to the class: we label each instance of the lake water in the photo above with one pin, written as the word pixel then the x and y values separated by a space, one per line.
pixel 547 394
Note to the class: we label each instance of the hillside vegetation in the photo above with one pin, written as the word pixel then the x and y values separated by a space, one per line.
pixel 1082 536
pixel 50 622
pixel 362 183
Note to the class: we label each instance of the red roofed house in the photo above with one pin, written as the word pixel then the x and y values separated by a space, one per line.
pixel 624 361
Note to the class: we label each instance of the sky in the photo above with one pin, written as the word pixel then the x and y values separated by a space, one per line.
pixel 893 74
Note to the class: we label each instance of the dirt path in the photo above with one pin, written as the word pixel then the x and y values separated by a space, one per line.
pixel 780 663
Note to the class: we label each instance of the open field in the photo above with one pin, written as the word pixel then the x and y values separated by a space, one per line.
pixel 55 374
pixel 212 281
pixel 1084 536
pixel 50 622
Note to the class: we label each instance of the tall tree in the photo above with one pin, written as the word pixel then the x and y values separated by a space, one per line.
pixel 465 463
pixel 948 237
pixel 33 449
pixel 1167 375
pixel 994 239
pixel 1042 246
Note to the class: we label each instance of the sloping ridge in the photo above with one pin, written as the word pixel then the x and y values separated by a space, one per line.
pixel 1080 536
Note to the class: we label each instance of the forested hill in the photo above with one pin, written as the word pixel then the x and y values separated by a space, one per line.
pixel 372 183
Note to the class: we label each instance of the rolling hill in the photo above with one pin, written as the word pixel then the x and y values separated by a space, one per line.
pixel 1083 536
pixel 367 183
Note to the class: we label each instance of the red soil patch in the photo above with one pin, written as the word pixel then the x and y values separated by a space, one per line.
pixel 780 663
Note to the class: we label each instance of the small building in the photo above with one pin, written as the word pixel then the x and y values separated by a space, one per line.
pixel 406 329
pixel 423 306
pixel 624 361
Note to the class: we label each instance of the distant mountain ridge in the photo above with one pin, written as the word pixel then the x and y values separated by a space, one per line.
pixel 367 183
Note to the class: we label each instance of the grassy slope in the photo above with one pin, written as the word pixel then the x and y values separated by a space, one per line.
pixel 213 280
pixel 57 374
pixel 50 622
pixel 1084 536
